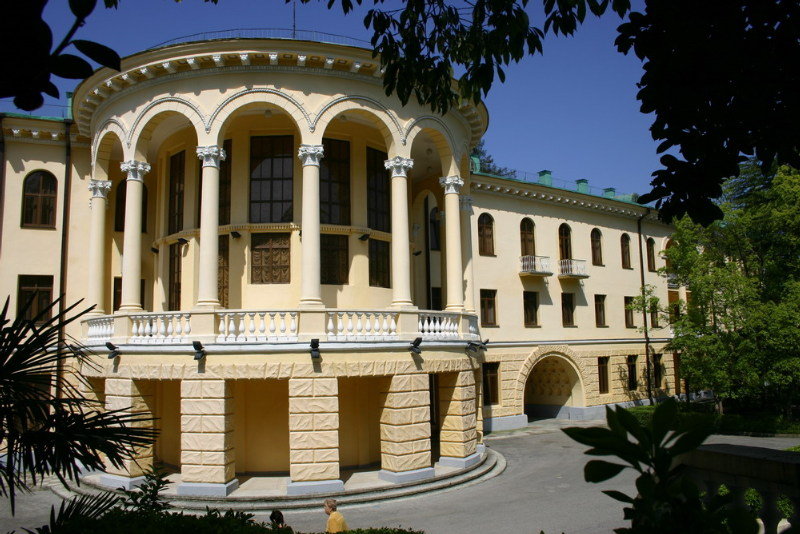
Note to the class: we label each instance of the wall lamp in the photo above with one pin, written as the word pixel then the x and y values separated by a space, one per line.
pixel 315 348
pixel 154 250
pixel 414 348
pixel 363 237
pixel 199 351
pixel 182 241
pixel 235 234
pixel 113 350
pixel 475 346
pixel 417 253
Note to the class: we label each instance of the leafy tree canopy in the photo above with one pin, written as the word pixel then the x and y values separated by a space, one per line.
pixel 487 161
pixel 720 75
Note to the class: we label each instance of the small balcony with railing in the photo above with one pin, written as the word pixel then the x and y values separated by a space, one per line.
pixel 535 266
pixel 572 269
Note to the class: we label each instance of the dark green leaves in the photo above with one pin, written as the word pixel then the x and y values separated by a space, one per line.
pixel 600 471
pixel 69 66
pixel 99 53
pixel 82 8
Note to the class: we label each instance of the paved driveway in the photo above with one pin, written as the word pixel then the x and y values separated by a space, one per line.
pixel 541 489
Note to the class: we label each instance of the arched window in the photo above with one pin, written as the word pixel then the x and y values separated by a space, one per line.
pixel 39 200
pixel 651 254
pixel 625 246
pixel 434 230
pixel 485 235
pixel 565 242
pixel 119 207
pixel 597 247
pixel 527 241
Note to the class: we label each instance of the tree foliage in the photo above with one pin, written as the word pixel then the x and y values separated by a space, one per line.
pixel 738 335
pixel 487 161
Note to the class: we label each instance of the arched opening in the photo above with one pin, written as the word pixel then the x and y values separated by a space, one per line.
pixel 427 262
pixel 39 191
pixel 565 242
pixel 553 386
pixel 485 235
pixel 625 247
pixel 527 238
pixel 597 247
pixel 651 254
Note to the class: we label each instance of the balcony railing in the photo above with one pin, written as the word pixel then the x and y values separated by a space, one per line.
pixel 228 327
pixel 572 269
pixel 535 266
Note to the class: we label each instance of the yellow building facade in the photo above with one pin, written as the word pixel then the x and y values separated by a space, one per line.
pixel 292 272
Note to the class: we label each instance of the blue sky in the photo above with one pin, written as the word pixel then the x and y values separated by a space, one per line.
pixel 573 110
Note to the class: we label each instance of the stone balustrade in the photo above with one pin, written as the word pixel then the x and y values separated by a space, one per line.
pixel 230 327
pixel 772 473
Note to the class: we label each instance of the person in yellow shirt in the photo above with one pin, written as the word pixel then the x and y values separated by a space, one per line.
pixel 336 522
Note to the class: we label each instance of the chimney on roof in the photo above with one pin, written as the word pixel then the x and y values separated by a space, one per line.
pixel 609 192
pixel 545 177
pixel 583 185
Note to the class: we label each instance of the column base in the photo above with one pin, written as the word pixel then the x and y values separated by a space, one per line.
pixel 460 463
pixel 481 449
pixel 406 476
pixel 130 308
pixel 306 304
pixel 207 489
pixel 207 305
pixel 116 481
pixel 454 308
pixel 405 305
pixel 312 487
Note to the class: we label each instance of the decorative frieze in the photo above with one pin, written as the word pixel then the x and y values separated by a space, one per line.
pixel 211 155
pixel 135 169
pixel 399 166
pixel 310 154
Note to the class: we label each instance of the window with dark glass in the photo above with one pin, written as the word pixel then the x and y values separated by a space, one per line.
pixel 334 183
pixel 676 364
pixel 526 237
pixel 379 262
pixel 602 373
pixel 600 310
pixel 658 371
pixel 378 191
pixel 488 307
pixel 271 178
pixel 530 304
pixel 436 299
pixel 633 380
pixel 34 295
pixel 485 235
pixel 629 323
pixel 119 207
pixel 224 198
pixel 116 298
pixel 565 242
pixel 651 255
pixel 177 167
pixel 597 247
pixel 491 383
pixel 269 259
pixel 174 287
pixel 334 258
pixel 625 245
pixel 223 272
pixel 568 309
pixel 434 230
pixel 39 200
pixel 654 316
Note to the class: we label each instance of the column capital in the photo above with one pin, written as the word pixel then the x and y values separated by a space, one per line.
pixel 451 184
pixel 135 169
pixel 100 188
pixel 211 155
pixel 311 154
pixel 465 203
pixel 399 165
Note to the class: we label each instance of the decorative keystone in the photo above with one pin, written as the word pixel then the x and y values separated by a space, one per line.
pixel 451 184
pixel 135 169
pixel 211 155
pixel 310 154
pixel 399 165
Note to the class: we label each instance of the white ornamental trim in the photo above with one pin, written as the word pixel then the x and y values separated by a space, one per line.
pixel 211 155
pixel 452 184
pixel 310 154
pixel 135 169
pixel 399 166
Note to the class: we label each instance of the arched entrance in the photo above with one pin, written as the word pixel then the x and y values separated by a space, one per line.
pixel 552 388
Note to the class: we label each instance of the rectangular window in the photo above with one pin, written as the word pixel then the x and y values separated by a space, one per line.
pixel 530 304
pixel 174 288
pixel 34 294
pixel 658 372
pixel 488 307
pixel 177 168
pixel 223 272
pixel 629 323
pixel 568 309
pixel 378 191
pixel 271 178
pixel 633 380
pixel 602 373
pixel 117 296
pixel 491 383
pixel 379 262
pixel 334 258
pixel 269 259
pixel 334 183
pixel 600 310
pixel 654 316
pixel 436 299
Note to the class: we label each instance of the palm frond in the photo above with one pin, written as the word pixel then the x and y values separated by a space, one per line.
pixel 83 506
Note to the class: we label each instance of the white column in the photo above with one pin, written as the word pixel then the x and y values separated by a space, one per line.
pixel 310 291
pixel 401 255
pixel 132 237
pixel 97 244
pixel 207 285
pixel 455 292
pixel 466 253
